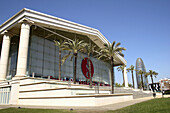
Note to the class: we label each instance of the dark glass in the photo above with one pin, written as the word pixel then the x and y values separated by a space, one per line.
pixel 13 56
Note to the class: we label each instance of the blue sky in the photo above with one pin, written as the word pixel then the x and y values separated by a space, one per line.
pixel 142 26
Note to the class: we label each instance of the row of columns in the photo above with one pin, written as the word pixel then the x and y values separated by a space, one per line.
pixel 22 52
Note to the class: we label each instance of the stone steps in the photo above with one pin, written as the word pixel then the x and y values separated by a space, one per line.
pixel 50 84
pixel 136 93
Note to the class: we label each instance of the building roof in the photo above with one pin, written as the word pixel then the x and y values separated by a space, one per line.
pixel 48 21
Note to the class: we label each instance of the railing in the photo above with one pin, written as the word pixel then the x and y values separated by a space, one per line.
pixel 5 95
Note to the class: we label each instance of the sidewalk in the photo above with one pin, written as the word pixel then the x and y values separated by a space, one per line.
pixel 92 109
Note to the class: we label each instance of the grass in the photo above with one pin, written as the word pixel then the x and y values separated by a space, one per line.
pixel 161 105
pixel 26 110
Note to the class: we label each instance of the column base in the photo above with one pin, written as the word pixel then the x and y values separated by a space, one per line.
pixel 18 77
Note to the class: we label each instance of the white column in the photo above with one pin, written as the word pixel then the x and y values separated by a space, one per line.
pixel 4 56
pixel 125 77
pixel 23 50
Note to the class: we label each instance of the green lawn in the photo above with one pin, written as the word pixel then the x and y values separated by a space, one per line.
pixel 161 105
pixel 24 110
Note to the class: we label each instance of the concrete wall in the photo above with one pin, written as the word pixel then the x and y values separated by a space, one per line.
pixel 79 101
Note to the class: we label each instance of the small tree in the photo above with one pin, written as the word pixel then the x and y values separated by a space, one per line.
pixel 131 68
pixel 130 85
pixel 151 73
pixel 121 68
pixel 118 85
pixel 141 73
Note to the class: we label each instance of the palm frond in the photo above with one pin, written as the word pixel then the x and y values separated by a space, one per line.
pixel 117 44
pixel 120 68
pixel 152 72
pixel 113 44
pixel 72 58
pixel 128 70
pixel 120 48
pixel 140 72
pixel 146 74
pixel 106 45
pixel 131 68
pixel 101 56
pixel 155 73
pixel 65 57
pixel 66 48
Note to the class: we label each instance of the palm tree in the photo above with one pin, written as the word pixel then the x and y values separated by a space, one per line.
pixel 109 51
pixel 146 74
pixel 151 73
pixel 141 73
pixel 61 45
pixel 131 68
pixel 90 49
pixel 121 68
pixel 73 47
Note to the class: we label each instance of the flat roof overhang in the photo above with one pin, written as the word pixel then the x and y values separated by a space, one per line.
pixel 48 21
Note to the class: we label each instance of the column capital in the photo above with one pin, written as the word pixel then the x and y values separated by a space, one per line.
pixel 25 20
pixel 8 33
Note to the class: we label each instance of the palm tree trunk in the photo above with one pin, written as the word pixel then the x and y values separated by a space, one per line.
pixel 152 83
pixel 90 70
pixel 112 75
pixel 142 81
pixel 75 66
pixel 133 79
pixel 59 65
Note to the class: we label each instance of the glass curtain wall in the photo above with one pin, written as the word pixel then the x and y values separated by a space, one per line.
pixel 13 55
pixel 44 59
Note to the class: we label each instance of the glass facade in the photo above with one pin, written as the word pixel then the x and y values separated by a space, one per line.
pixel 140 66
pixel 43 61
pixel 12 63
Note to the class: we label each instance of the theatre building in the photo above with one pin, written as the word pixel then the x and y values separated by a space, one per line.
pixel 29 62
